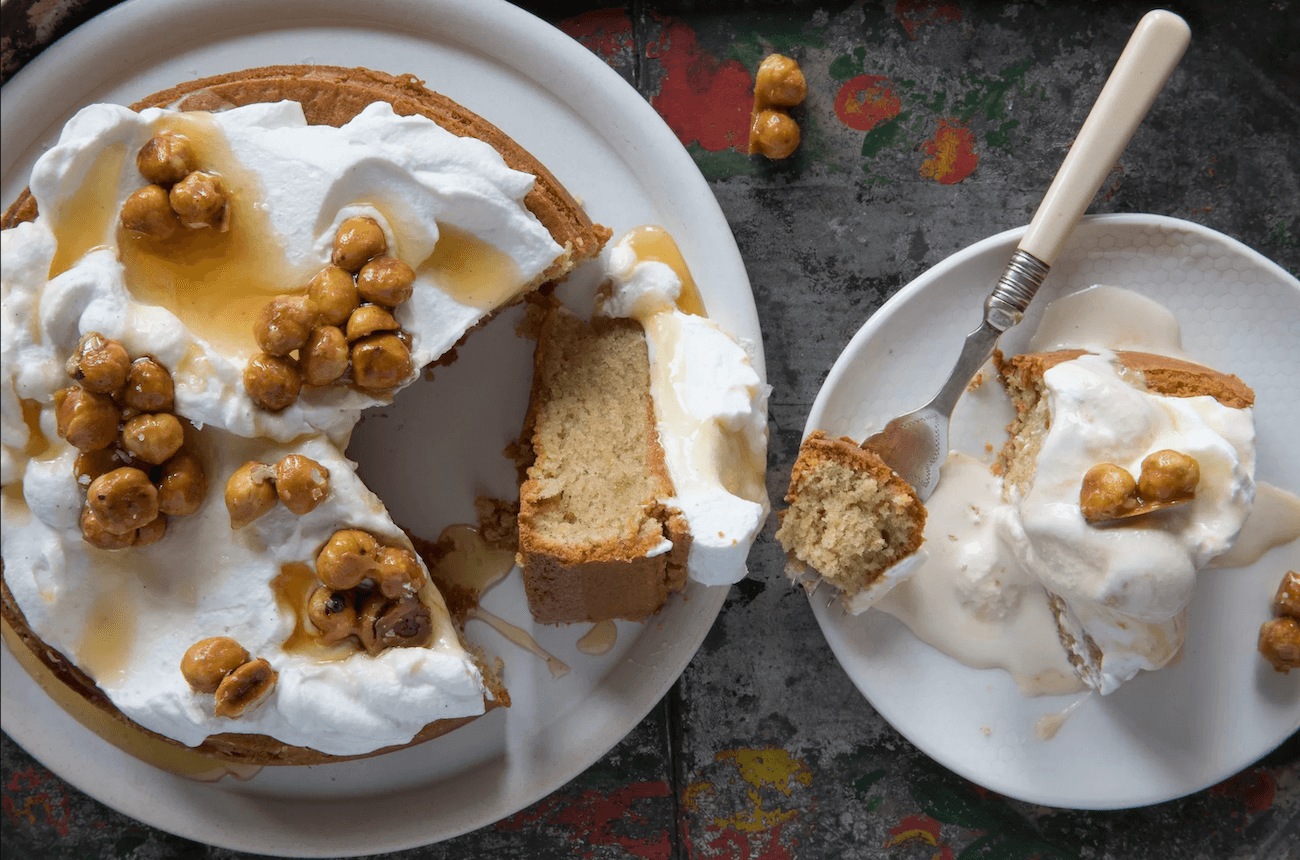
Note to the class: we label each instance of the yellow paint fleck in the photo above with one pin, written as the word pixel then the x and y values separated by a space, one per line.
pixel 770 766
pixel 692 793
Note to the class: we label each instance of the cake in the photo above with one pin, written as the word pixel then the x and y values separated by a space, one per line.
pixel 850 520
pixel 295 682
pixel 644 446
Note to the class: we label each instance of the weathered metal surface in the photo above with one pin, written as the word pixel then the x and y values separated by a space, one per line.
pixel 929 125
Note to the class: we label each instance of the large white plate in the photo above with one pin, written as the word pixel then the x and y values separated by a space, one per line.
pixel 440 443
pixel 1163 734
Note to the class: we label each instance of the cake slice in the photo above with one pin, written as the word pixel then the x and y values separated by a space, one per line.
pixel 850 520
pixel 595 542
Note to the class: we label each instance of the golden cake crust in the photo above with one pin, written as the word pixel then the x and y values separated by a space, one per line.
pixel 330 95
pixel 1172 377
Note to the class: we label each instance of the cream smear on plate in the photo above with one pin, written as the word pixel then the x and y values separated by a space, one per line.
pixel 1001 572
pixel 127 617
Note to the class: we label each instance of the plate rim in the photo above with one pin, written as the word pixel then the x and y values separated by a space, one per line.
pixel 827 621
pixel 604 92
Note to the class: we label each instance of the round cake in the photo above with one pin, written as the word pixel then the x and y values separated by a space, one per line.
pixel 204 291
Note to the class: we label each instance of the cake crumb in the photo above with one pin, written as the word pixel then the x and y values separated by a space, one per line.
pixel 498 522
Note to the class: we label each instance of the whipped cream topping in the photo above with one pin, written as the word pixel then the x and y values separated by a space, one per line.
pixel 710 410
pixel 127 617
pixel 1003 574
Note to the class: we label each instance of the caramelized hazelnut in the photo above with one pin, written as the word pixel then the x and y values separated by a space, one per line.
pixel 285 324
pixel 153 438
pixel 301 483
pixel 1287 600
pixel 94 533
pixel 380 361
pixel 775 134
pixel 206 663
pixel 199 200
pixel 780 82
pixel 183 485
pixel 386 281
pixel 245 688
pixel 123 499
pixel 165 159
pixel 149 213
pixel 91 464
pixel 149 387
pixel 250 492
pixel 1279 643
pixel 151 532
pixel 325 356
pixel 404 624
pixel 333 295
pixel 369 319
pixel 400 574
pixel 87 420
pixel 349 557
pixel 369 611
pixel 1168 475
pixel 332 613
pixel 358 240
pixel 100 364
pixel 1108 491
pixel 272 382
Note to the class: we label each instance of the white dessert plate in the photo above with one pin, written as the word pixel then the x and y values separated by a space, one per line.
pixel 1163 734
pixel 440 443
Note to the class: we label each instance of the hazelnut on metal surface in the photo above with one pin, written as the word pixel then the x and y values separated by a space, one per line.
pixel 207 662
pixel 301 483
pixel 386 281
pixel 123 499
pixel 99 364
pixel 149 386
pixel 183 485
pixel 245 688
pixel 154 437
pixel 774 134
pixel 332 613
pixel 250 492
pixel 94 533
pixel 1108 491
pixel 149 212
pixel 87 420
pixel 380 362
pixel 272 382
pixel 166 159
pixel 333 295
pixel 325 356
pixel 780 82
pixel 1168 475
pixel 199 200
pixel 284 324
pixel 358 240
pixel 350 556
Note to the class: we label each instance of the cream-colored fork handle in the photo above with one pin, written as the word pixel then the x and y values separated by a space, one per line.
pixel 1152 51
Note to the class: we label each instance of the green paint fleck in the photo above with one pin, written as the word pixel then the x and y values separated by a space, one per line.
pixel 844 67
pixel 885 135
pixel 875 803
pixel 780 35
pixel 988 95
pixel 863 783
pixel 1002 135
pixel 1281 236
pixel 720 165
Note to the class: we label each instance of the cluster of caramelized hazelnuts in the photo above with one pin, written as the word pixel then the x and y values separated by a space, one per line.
pixel 1279 637
pixel 1110 492
pixel 133 462
pixel 342 328
pixel 222 666
pixel 778 86
pixel 179 195
pixel 369 591
pixel 253 489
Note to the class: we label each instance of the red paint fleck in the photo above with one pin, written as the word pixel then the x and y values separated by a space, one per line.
pixel 866 101
pixel 54 807
pixel 605 31
pixel 913 14
pixel 586 820
pixel 703 100
pixel 915 827
pixel 952 153
pixel 1253 788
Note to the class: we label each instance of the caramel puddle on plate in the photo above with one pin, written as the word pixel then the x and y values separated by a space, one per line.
pixel 599 639
pixel 463 566
pixel 1049 724
pixel 653 244
pixel 293 588
pixel 129 739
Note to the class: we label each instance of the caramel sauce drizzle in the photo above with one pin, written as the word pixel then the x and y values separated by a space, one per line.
pixel 85 220
pixel 470 270
pixel 292 587
pixel 653 244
